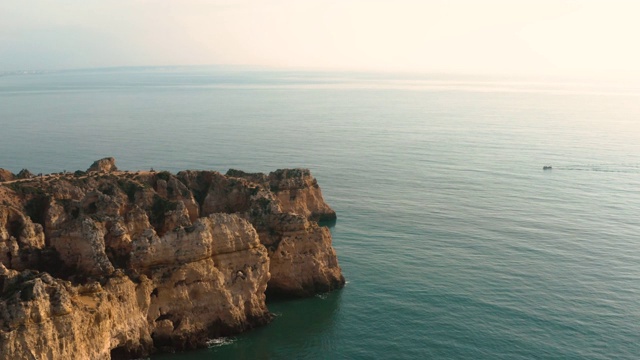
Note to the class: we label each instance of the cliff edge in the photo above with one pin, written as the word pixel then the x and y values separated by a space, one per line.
pixel 116 265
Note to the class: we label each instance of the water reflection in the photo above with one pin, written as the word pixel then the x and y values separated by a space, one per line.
pixel 328 223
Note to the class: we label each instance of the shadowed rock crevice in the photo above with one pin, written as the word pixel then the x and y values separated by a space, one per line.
pixel 111 264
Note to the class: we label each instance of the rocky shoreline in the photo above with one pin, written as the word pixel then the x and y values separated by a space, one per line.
pixel 106 264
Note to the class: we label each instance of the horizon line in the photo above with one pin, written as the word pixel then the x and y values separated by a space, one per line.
pixel 319 70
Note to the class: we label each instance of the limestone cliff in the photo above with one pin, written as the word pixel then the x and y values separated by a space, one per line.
pixel 120 265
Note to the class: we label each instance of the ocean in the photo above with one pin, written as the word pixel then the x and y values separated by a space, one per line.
pixel 454 242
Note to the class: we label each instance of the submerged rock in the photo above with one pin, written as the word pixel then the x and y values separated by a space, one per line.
pixel 122 265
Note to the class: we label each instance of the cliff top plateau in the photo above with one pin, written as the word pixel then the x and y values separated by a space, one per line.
pixel 109 264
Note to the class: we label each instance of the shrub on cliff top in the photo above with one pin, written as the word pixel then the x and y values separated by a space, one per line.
pixel 159 208
pixel 130 188
pixel 164 175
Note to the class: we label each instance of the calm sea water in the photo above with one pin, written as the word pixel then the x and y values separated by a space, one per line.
pixel 454 242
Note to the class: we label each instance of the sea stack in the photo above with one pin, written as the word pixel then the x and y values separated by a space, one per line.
pixel 119 265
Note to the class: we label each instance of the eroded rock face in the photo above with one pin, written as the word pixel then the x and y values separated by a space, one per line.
pixel 20 239
pixel 121 265
pixel 50 318
pixel 303 262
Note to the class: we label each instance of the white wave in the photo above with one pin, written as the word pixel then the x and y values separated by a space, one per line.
pixel 221 341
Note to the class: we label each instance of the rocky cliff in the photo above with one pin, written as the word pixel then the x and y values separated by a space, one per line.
pixel 114 264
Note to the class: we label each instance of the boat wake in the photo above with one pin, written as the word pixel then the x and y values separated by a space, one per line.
pixel 631 168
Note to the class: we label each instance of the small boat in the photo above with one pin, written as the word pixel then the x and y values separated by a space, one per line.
pixel 547 167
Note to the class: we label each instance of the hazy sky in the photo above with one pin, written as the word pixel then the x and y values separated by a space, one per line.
pixel 593 37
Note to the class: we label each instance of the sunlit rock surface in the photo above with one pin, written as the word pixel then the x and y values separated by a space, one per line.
pixel 110 264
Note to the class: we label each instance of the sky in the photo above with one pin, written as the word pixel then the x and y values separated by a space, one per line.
pixel 529 37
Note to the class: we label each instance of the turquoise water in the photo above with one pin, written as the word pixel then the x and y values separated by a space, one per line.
pixel 454 242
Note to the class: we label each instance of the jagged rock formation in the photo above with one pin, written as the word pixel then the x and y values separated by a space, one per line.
pixel 24 174
pixel 296 190
pixel 104 165
pixel 119 265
